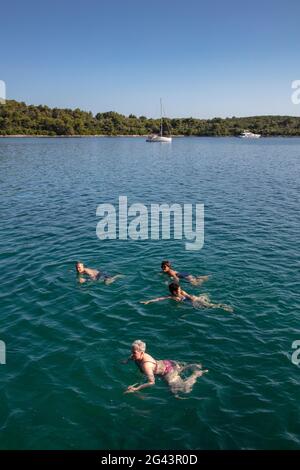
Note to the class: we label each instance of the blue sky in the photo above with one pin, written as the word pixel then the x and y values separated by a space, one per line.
pixel 204 58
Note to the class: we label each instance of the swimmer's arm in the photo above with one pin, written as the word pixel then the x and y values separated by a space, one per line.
pixel 158 299
pixel 132 389
pixel 151 381
pixel 81 276
pixel 92 273
pixel 173 274
pixel 188 296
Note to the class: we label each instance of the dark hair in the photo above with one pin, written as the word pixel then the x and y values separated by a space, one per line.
pixel 165 263
pixel 173 288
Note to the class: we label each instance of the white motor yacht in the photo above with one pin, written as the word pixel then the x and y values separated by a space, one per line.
pixel 249 135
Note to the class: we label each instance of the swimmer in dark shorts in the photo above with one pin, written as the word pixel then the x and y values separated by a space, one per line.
pixel 177 276
pixel 93 274
pixel 169 370
pixel 179 295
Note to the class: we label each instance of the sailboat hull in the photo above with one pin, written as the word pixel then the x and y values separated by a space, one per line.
pixel 159 138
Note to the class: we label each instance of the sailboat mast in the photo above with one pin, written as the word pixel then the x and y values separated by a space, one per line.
pixel 161 119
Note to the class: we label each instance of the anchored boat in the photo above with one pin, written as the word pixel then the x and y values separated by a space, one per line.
pixel 160 137
pixel 249 135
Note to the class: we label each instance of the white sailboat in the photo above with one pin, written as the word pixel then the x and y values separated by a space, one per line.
pixel 160 137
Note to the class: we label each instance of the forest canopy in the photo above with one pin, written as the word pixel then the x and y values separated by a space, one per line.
pixel 17 118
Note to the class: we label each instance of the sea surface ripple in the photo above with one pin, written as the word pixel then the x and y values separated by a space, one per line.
pixel 62 386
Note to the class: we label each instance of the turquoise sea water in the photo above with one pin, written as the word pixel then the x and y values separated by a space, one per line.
pixel 62 386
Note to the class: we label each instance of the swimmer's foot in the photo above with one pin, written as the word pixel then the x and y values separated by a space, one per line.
pixel 198 373
pixel 227 308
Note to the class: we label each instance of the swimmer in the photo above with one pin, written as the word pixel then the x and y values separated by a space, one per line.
pixel 169 370
pixel 177 276
pixel 93 274
pixel 179 295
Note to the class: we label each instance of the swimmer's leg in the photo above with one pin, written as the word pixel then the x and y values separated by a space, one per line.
pixel 202 301
pixel 198 280
pixel 190 381
pixel 227 308
pixel 177 384
pixel 110 279
pixel 191 366
pixel 205 302
pixel 209 304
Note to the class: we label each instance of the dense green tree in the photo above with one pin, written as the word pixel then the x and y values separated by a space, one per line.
pixel 18 118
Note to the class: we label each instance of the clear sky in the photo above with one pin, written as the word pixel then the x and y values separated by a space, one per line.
pixel 204 58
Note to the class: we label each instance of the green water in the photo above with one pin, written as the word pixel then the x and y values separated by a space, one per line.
pixel 62 386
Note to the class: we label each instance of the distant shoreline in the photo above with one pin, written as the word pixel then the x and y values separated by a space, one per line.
pixel 18 120
pixel 44 136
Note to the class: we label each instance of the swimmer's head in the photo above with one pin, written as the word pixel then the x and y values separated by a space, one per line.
pixel 138 348
pixel 174 289
pixel 166 266
pixel 79 267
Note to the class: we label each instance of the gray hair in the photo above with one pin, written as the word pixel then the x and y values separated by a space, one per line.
pixel 140 345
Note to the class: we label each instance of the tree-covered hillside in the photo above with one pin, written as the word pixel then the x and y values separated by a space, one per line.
pixel 19 118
